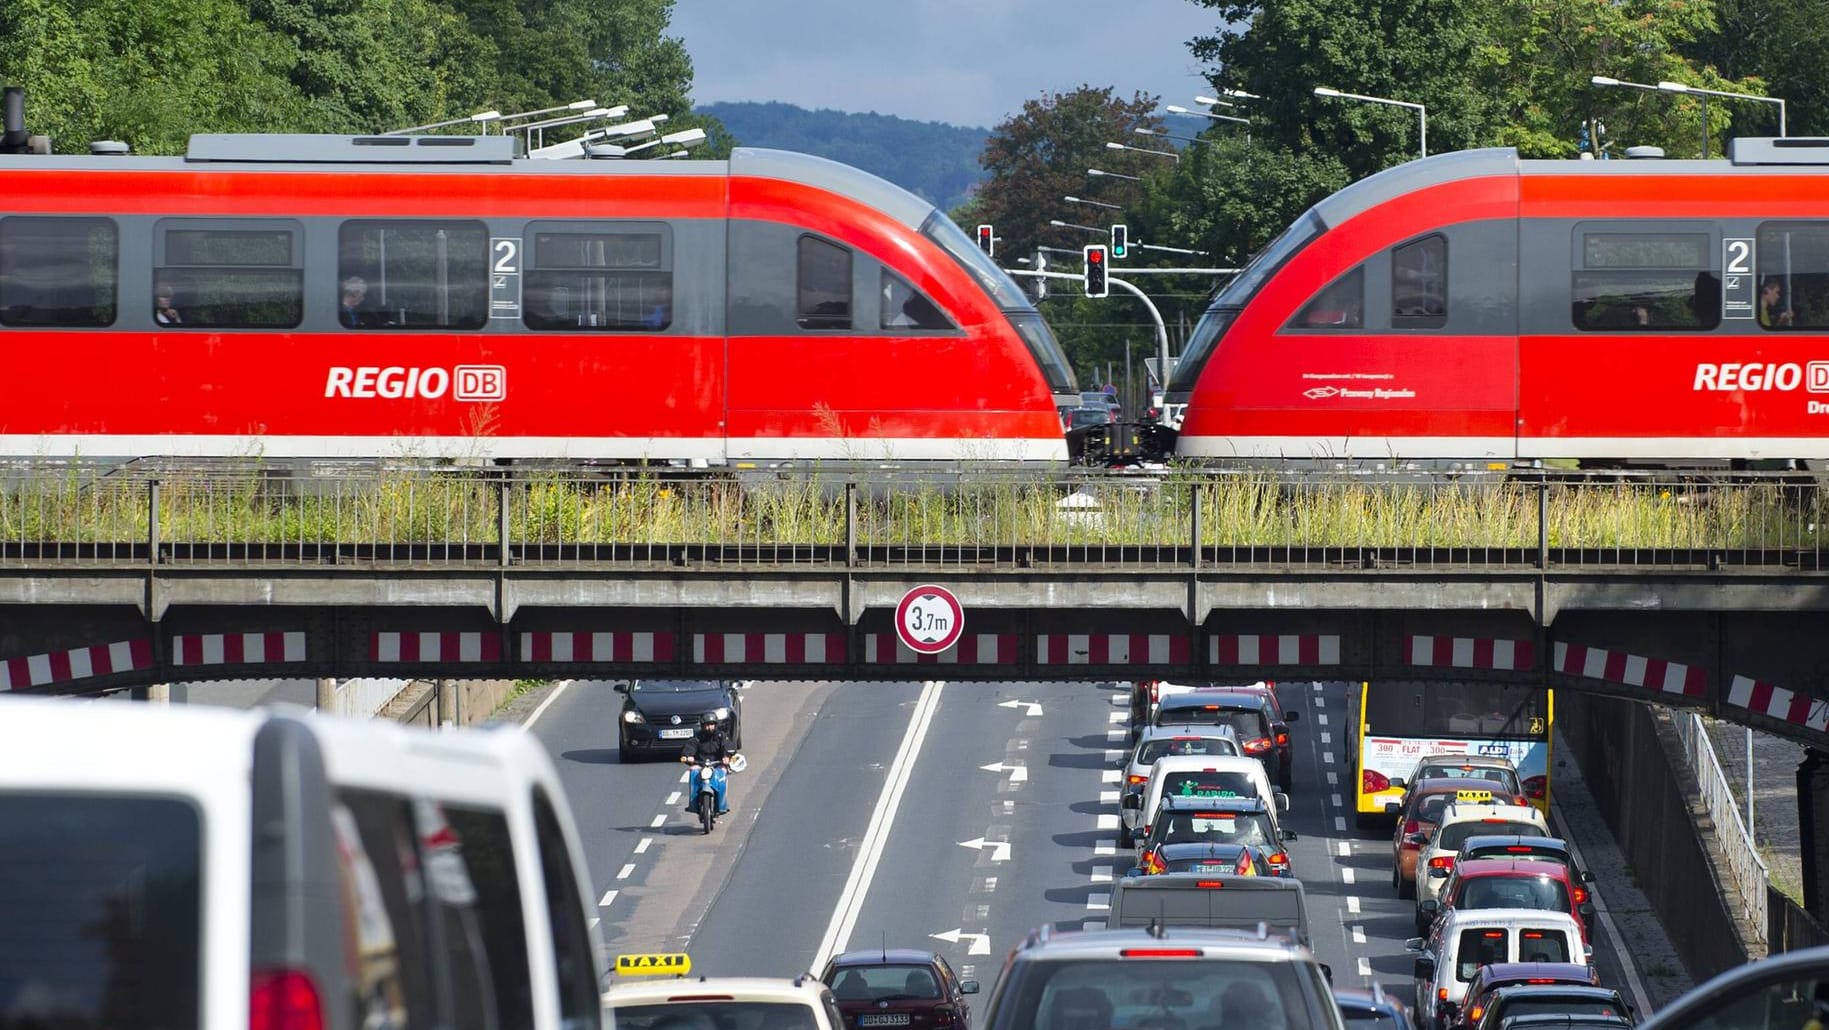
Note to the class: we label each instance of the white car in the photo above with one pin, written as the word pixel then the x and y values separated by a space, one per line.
pixel 1462 942
pixel 1157 742
pixel 1472 812
pixel 712 1003
pixel 1205 776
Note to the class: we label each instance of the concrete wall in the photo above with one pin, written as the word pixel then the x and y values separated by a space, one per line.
pixel 1628 754
pixel 476 701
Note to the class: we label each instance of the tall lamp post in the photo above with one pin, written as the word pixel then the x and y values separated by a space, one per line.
pixel 1093 203
pixel 1678 87
pixel 1421 111
pixel 1100 173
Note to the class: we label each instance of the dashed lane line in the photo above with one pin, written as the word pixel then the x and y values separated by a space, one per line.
pixel 1098 902
pixel 1346 848
pixel 1340 823
pixel 1365 967
pixel 1347 874
pixel 608 896
pixel 1358 934
pixel 1104 849
pixel 1111 775
pixel 1108 797
pixel 644 844
pixel 626 871
pixel 1352 904
pixel 673 798
pixel 659 821
pixel 1119 717
pixel 1108 822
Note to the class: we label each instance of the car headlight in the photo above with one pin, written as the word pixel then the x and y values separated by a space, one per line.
pixel 722 714
pixel 632 716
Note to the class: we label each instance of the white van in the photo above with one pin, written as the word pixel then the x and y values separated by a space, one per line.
pixel 1206 776
pixel 1463 941
pixel 212 869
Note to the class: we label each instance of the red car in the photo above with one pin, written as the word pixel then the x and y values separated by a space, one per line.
pixel 1506 883
pixel 898 987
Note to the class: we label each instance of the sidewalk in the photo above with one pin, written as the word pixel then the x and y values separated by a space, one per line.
pixel 1641 939
pixel 1775 825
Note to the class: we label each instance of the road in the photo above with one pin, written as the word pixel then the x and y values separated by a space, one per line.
pixel 952 816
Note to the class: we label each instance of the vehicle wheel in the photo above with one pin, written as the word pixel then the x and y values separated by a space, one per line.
pixel 1125 839
pixel 708 811
pixel 736 739
pixel 1365 821
pixel 623 755
pixel 1406 889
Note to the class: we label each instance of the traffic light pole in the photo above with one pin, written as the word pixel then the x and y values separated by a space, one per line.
pixel 1162 330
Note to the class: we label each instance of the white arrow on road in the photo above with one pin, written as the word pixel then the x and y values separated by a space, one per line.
pixel 1034 707
pixel 981 942
pixel 1018 772
pixel 1000 848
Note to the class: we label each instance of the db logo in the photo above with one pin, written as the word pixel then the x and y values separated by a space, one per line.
pixel 480 383
pixel 1321 393
pixel 1816 377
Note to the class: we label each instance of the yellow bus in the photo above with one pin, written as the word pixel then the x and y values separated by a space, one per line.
pixel 1395 724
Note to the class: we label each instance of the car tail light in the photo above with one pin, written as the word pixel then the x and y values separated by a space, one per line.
pixel 1580 895
pixel 1257 745
pixel 943 1016
pixel 1211 885
pixel 1537 786
pixel 1518 849
pixel 1441 994
pixel 1494 935
pixel 1442 862
pixel 1282 740
pixel 1543 980
pixel 1412 827
pixel 1160 953
pixel 1473 1014
pixel 283 999
pixel 1279 860
pixel 1133 779
pixel 1372 782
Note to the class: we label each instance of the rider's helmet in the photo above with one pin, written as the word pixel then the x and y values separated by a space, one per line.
pixel 708 724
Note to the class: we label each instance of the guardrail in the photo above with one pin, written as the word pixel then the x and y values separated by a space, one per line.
pixel 989 520
pixel 1744 866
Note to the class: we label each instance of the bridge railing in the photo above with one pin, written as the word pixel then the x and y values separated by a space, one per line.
pixel 1744 866
pixel 1237 519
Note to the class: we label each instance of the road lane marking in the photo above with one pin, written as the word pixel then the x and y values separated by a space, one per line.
pixel 1104 848
pixel 1346 849
pixel 1317 688
pixel 1340 823
pixel 1116 736
pixel 1111 775
pixel 1333 778
pixel 1108 797
pixel 1358 934
pixel 1101 874
pixel 1606 919
pixel 673 798
pixel 876 837
pixel 544 705
pixel 659 820
pixel 1098 902
pixel 608 896
pixel 685 776
pixel 1108 822
pixel 1119 717
pixel 1019 773
pixel 1352 905
pixel 1365 967
pixel 1328 757
pixel 1335 798
pixel 623 874
pixel 1327 738
pixel 1321 717
pixel 1347 875
pixel 594 923
pixel 644 844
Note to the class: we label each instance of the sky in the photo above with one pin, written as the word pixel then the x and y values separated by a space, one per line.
pixel 966 62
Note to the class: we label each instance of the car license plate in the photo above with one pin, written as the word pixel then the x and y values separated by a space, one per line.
pixel 883 1019
pixel 679 734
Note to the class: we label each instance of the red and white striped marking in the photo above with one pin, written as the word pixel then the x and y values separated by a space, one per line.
pixel 1471 653
pixel 76 664
pixel 436 647
pixel 1274 649
pixel 1111 649
pixel 972 649
pixel 1779 703
pixel 597 647
pixel 1633 670
pixel 786 648
pixel 237 648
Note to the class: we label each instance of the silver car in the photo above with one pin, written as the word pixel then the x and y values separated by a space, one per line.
pixel 1160 742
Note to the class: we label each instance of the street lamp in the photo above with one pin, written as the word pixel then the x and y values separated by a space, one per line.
pixel 1093 203
pixel 1141 150
pixel 1097 172
pixel 1423 112
pixel 1235 93
pixel 1178 109
pixel 1678 87
pixel 1058 224
pixel 1159 134
pixel 576 105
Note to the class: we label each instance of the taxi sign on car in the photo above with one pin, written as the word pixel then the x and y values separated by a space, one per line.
pixel 1477 797
pixel 670 964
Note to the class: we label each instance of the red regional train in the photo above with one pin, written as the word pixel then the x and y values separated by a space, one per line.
pixel 401 297
pixel 1481 307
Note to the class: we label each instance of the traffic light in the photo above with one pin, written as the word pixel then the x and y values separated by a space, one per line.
pixel 986 241
pixel 1120 242
pixel 1095 271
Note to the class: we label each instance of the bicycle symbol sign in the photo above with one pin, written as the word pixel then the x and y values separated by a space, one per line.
pixel 929 619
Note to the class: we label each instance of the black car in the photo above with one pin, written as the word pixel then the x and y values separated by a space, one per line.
pixel 662 715
pixel 1262 730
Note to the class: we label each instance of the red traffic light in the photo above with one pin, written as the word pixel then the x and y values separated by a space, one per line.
pixel 987 240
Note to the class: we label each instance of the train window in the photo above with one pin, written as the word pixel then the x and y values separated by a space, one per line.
pixel 58 271
pixel 412 275
pixel 606 279
pixel 905 307
pixel 824 291
pixel 1645 281
pixel 1340 306
pixel 1419 284
pixel 228 276
pixel 1793 267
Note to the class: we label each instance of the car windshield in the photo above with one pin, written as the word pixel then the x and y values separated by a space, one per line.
pixel 882 983
pixel 1554 1006
pixel 676 686
pixel 1369 1018
pixel 1478 948
pixel 1543 946
pixel 1089 416
pixel 1451 837
pixel 1200 783
pixel 1218 865
pixel 716 1015
pixel 1497 773
pixel 1541 892
pixel 1245 722
pixel 1100 994
pixel 1156 748
pixel 1214 827
pixel 1237 293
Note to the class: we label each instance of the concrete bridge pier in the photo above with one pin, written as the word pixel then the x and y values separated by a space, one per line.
pixel 327 695
pixel 1813 829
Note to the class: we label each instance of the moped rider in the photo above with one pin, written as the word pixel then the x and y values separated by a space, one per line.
pixel 711 747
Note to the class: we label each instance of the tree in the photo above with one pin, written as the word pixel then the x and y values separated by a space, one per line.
pixel 1780 45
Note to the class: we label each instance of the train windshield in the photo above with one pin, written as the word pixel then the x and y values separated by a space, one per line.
pixel 1235 296
pixel 1014 303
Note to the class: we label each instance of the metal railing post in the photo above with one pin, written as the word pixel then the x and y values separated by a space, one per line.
pixel 152 522
pixel 1543 524
pixel 1194 527
pixel 501 524
pixel 850 524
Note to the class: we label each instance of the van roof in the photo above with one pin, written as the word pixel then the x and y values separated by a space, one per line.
pixel 1464 812
pixel 1508 918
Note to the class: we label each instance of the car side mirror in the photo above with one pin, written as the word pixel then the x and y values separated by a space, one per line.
pixel 621 688
pixel 968 987
pixel 1413 944
pixel 1291 716
pixel 1587 877
pixel 1428 909
pixel 1443 873
pixel 1399 784
pixel 1425 967
pixel 1327 971
pixel 1289 835
pixel 1586 911
pixel 1282 801
pixel 1393 808
pixel 1134 801
pixel 1418 839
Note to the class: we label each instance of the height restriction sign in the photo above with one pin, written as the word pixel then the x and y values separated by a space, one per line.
pixel 929 619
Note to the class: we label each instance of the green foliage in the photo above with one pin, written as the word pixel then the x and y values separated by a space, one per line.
pixel 939 162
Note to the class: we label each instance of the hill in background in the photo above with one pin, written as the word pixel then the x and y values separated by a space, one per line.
pixel 936 160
